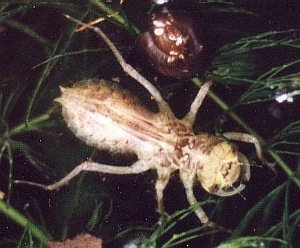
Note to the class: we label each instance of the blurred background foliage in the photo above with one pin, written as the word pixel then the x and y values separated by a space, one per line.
pixel 253 58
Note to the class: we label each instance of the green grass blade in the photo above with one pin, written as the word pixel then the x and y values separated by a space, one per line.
pixel 276 229
pixel 33 125
pixel 285 219
pixel 261 41
pixel 49 66
pixel 36 4
pixel 73 53
pixel 95 218
pixel 268 212
pixel 24 222
pixel 181 238
pixel 10 173
pixel 11 100
pixel 252 241
pixel 28 31
pixel 285 141
pixel 114 15
pixel 254 210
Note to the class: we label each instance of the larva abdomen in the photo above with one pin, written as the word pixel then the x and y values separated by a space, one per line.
pixel 106 117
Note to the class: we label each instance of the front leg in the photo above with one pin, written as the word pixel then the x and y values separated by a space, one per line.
pixel 138 167
pixel 187 179
pixel 163 177
pixel 188 182
pixel 248 138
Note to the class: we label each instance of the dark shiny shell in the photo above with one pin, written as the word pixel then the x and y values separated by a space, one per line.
pixel 170 45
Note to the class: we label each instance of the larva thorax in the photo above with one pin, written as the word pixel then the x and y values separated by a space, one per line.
pixel 217 164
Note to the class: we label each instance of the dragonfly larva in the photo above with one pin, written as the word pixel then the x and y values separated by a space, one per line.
pixel 105 116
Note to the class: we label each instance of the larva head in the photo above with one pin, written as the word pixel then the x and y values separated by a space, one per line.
pixel 222 168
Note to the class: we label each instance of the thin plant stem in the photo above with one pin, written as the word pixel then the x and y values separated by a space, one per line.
pixel 23 127
pixel 28 31
pixel 48 68
pixel 44 75
pixel 66 54
pixel 10 175
pixel 114 15
pixel 183 237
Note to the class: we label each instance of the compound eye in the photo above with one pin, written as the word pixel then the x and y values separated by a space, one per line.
pixel 230 172
pixel 225 169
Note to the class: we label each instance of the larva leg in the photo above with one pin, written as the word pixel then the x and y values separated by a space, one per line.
pixel 248 138
pixel 127 67
pixel 191 115
pixel 137 167
pixel 160 185
pixel 188 181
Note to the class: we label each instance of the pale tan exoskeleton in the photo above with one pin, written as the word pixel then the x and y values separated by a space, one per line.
pixel 106 117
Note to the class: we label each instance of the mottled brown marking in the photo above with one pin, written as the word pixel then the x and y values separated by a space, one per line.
pixel 225 168
pixel 214 188
pixel 179 145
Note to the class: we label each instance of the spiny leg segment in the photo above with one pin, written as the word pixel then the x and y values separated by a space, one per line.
pixel 163 177
pixel 127 67
pixel 136 168
pixel 187 179
pixel 248 138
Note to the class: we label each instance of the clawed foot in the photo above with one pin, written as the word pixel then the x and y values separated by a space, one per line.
pixel 163 214
pixel 271 166
pixel 213 225
pixel 45 187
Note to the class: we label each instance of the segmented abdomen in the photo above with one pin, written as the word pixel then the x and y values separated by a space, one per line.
pixel 106 117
